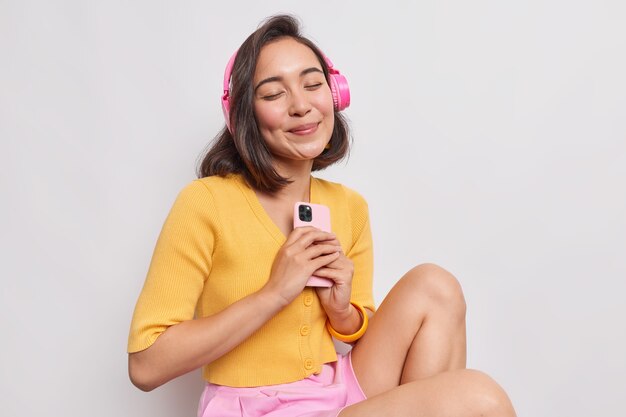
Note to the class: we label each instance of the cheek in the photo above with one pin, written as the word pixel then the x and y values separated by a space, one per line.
pixel 268 117
pixel 325 104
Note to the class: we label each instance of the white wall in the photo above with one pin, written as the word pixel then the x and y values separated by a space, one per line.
pixel 490 137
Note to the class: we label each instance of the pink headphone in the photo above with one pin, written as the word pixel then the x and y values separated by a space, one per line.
pixel 338 88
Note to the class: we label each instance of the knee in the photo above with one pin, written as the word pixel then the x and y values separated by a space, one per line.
pixel 437 284
pixel 487 397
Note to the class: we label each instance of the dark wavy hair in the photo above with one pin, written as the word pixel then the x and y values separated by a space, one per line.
pixel 245 151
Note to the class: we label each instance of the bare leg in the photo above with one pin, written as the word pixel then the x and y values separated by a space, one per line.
pixel 459 393
pixel 416 344
pixel 418 331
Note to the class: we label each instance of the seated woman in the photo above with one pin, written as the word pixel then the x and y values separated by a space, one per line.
pixel 227 286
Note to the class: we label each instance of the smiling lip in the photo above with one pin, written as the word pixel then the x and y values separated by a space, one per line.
pixel 304 129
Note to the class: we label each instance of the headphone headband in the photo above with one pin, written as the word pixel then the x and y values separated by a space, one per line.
pixel 338 88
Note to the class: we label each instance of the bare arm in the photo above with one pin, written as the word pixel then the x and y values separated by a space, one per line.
pixel 191 344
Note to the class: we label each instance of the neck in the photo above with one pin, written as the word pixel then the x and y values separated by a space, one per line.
pixel 300 176
pixel 299 188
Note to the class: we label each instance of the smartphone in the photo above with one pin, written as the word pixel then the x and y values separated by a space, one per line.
pixel 316 215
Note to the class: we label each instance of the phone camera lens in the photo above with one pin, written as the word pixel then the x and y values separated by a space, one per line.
pixel 305 213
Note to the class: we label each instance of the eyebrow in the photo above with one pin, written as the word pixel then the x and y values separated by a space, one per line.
pixel 273 79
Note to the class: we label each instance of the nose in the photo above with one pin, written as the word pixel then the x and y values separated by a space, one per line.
pixel 299 105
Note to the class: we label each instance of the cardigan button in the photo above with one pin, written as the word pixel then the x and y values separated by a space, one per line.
pixel 305 330
pixel 308 364
pixel 308 300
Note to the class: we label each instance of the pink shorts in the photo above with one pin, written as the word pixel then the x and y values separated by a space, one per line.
pixel 323 395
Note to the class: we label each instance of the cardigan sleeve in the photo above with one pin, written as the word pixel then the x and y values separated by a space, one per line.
pixel 361 251
pixel 180 264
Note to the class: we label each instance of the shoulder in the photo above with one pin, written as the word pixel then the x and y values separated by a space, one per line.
pixel 209 187
pixel 199 204
pixel 353 198
pixel 203 191
pixel 193 192
pixel 216 183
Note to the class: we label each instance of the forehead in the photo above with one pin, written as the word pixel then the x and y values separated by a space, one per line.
pixel 284 57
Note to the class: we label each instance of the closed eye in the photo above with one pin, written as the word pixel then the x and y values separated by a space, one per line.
pixel 313 86
pixel 271 97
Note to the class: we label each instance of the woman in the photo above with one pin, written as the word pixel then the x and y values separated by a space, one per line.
pixel 228 254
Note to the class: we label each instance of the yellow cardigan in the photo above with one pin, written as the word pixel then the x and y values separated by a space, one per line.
pixel 216 247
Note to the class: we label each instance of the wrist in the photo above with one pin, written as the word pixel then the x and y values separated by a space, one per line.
pixel 346 321
pixel 353 336
pixel 271 299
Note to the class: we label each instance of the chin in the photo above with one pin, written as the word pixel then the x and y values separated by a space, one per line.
pixel 313 153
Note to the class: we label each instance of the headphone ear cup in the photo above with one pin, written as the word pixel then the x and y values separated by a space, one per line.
pixel 338 86
pixel 340 91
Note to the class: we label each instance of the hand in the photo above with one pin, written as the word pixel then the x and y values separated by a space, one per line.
pixel 305 251
pixel 336 299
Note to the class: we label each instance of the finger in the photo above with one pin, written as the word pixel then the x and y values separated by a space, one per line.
pixel 334 265
pixel 323 260
pixel 298 232
pixel 315 251
pixel 326 272
pixel 313 235
pixel 340 263
pixel 335 275
pixel 334 241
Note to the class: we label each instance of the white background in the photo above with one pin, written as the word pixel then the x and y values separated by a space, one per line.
pixel 489 137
